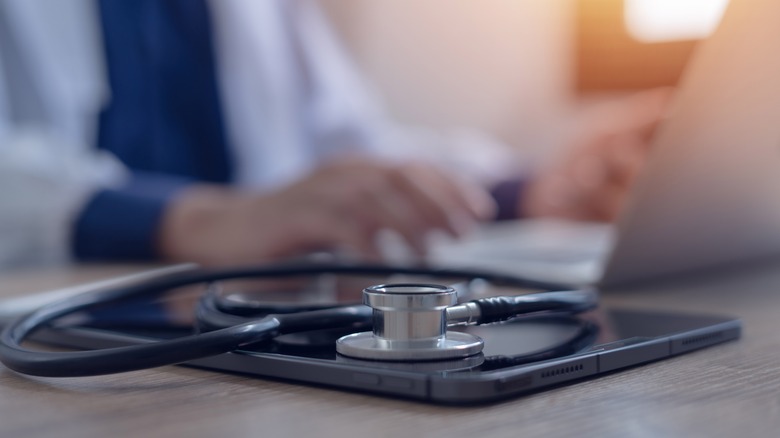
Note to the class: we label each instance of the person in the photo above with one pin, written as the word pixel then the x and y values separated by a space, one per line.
pixel 238 131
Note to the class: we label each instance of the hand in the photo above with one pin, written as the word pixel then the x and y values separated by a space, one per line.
pixel 593 179
pixel 343 205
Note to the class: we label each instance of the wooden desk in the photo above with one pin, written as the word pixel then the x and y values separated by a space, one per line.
pixel 729 390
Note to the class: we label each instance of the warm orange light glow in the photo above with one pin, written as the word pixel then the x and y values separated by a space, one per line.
pixel 670 20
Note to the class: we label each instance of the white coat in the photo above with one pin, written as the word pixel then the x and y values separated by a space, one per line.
pixel 291 97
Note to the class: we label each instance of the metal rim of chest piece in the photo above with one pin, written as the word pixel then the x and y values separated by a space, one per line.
pixel 409 324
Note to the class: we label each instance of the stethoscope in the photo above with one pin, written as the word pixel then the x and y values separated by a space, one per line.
pixel 407 321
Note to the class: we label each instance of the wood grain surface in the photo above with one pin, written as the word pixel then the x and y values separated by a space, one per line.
pixel 731 390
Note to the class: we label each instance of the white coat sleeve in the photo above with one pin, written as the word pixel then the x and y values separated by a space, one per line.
pixel 42 192
pixel 43 186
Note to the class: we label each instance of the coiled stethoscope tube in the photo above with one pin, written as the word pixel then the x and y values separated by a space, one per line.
pixel 227 339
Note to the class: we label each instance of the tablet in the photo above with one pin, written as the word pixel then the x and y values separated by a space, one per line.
pixel 521 356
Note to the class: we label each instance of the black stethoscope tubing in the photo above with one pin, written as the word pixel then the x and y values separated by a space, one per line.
pixel 188 348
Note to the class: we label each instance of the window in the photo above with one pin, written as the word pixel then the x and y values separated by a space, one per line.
pixel 635 44
pixel 652 21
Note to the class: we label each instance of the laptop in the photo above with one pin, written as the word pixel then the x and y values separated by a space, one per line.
pixel 710 194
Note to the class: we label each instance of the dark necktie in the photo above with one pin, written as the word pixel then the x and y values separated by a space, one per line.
pixel 164 114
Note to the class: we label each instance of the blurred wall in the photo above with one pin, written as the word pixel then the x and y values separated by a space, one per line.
pixel 505 66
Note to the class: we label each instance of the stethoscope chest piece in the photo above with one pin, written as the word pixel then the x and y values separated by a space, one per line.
pixel 409 324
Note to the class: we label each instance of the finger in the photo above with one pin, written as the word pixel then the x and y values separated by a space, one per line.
pixel 320 223
pixel 372 202
pixel 364 197
pixel 625 158
pixel 388 210
pixel 435 201
pixel 345 232
pixel 468 195
pixel 566 197
pixel 650 109
pixel 557 195
pixel 590 172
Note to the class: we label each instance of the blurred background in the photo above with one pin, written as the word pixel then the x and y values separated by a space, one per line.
pixel 524 70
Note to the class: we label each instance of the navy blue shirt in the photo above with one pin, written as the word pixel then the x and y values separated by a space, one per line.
pixel 163 121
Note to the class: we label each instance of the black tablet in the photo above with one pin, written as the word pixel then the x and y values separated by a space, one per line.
pixel 520 356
